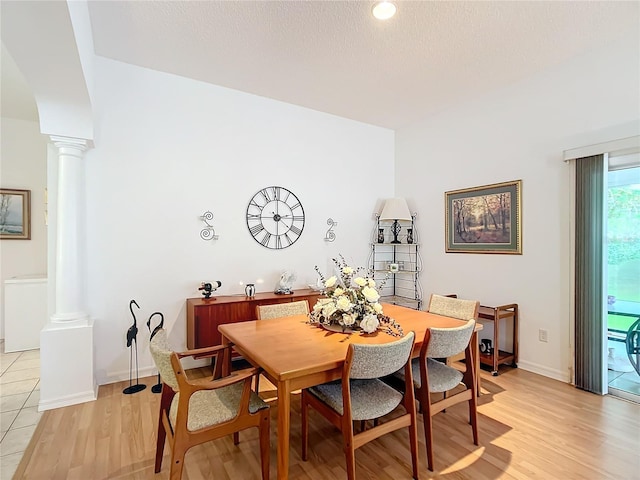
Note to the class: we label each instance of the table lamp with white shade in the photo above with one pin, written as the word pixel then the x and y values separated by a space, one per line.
pixel 396 209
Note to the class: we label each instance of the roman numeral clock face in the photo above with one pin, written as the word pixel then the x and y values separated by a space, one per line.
pixel 275 217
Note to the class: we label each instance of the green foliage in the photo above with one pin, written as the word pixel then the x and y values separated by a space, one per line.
pixel 623 224
pixel 620 252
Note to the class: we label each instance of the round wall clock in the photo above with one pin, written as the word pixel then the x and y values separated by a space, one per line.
pixel 275 217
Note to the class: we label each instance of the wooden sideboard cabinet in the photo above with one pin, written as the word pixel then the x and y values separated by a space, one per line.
pixel 204 315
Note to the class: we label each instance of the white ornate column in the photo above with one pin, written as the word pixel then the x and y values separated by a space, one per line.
pixel 69 285
pixel 67 372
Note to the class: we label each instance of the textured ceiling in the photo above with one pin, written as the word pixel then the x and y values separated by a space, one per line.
pixel 333 56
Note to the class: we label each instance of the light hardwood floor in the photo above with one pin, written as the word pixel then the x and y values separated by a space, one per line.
pixel 530 427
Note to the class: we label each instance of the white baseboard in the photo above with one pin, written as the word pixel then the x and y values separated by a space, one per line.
pixel 544 371
pixel 65 401
pixel 143 372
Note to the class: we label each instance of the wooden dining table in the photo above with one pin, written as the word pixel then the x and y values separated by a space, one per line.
pixel 294 354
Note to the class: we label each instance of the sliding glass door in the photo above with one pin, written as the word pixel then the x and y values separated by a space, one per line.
pixel 623 279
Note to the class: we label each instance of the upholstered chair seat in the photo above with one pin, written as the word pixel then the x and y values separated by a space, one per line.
pixel 212 407
pixel 442 378
pixel 370 399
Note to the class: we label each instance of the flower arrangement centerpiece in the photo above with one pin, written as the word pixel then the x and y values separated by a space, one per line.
pixel 351 303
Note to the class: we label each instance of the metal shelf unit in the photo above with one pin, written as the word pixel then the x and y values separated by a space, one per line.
pixel 396 267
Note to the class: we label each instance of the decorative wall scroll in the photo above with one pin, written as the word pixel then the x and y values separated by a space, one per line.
pixel 330 235
pixel 208 233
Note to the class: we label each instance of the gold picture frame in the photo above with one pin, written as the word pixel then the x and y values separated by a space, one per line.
pixel 485 219
pixel 15 214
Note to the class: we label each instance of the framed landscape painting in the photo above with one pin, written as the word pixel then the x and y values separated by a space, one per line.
pixel 15 214
pixel 486 219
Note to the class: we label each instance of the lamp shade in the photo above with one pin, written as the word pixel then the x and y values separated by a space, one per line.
pixel 395 209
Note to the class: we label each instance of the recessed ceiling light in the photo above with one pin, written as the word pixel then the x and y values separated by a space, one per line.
pixel 384 10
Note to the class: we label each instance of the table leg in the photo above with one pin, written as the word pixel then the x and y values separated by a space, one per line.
pixel 496 339
pixel 224 361
pixel 284 427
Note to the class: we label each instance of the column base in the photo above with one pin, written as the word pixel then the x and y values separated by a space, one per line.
pixel 67 364
pixel 76 318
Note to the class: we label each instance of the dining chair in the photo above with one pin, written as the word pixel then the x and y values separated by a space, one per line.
pixel 197 411
pixel 361 395
pixel 277 310
pixel 432 376
pixel 452 306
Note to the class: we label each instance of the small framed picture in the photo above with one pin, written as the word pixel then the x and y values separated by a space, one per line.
pixel 394 267
pixel 15 214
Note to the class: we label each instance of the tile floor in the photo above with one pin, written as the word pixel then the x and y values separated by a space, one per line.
pixel 19 397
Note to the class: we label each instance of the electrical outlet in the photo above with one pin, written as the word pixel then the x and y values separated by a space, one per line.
pixel 543 335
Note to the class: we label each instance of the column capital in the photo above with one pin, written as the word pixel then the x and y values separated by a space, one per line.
pixel 80 144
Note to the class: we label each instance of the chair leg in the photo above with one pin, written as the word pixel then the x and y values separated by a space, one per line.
pixel 413 441
pixel 428 428
pixel 177 462
pixel 305 424
pixel 473 414
pixel 160 446
pixel 236 438
pixel 165 401
pixel 349 452
pixel 265 448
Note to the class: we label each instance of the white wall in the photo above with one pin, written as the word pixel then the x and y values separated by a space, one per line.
pixel 519 132
pixel 23 165
pixel 168 149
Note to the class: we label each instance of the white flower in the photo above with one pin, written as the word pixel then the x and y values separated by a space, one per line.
pixel 338 291
pixel 343 303
pixel 370 294
pixel 377 307
pixel 331 281
pixel 361 282
pixel 347 270
pixel 329 309
pixel 348 320
pixel 372 282
pixel 369 323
